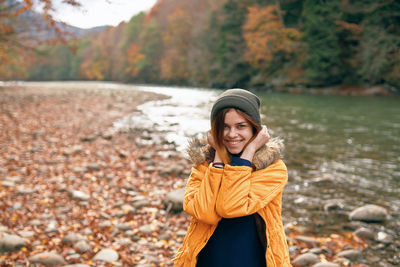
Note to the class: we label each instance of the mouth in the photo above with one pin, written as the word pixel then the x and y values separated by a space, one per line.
pixel 233 142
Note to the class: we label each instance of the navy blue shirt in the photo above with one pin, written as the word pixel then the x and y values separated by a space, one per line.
pixel 235 241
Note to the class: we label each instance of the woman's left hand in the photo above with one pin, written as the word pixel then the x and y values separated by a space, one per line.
pixel 261 139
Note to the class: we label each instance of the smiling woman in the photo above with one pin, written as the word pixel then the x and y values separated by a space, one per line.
pixel 234 192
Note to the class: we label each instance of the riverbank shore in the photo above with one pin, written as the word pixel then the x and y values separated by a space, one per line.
pixel 78 192
pixel 74 190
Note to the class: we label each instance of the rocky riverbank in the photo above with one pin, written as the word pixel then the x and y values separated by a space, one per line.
pixel 75 191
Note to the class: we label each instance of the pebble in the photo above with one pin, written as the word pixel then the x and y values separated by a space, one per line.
pixel 11 243
pixel 384 238
pixel 311 242
pixel 333 204
pixel 351 254
pixel 78 195
pixel 124 226
pixel 365 233
pixel 369 213
pixel 77 265
pixel 82 246
pixel 26 234
pixel 72 238
pixel 326 264
pixel 48 258
pixel 146 229
pixel 306 259
pixel 107 255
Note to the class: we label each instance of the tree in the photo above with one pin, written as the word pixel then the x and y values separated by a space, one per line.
pixel 323 64
pixel 15 45
pixel 269 43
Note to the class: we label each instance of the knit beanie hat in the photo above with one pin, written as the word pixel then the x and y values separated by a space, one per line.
pixel 241 99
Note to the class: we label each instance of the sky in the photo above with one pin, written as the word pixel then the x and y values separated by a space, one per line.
pixel 100 12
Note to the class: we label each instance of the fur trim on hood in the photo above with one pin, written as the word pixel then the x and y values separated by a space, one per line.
pixel 199 151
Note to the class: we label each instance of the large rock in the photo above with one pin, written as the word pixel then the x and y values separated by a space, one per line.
pixel 11 243
pixel 326 264
pixel 351 254
pixel 48 259
pixel 369 213
pixel 306 259
pixel 365 233
pixel 174 199
pixel 107 255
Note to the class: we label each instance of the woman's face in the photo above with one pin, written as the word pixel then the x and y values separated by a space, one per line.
pixel 237 132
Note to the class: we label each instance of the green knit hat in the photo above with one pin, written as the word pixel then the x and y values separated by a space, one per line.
pixel 241 99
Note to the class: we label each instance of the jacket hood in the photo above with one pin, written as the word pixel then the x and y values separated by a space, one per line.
pixel 199 151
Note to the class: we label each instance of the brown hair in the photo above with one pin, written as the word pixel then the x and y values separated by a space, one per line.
pixel 217 131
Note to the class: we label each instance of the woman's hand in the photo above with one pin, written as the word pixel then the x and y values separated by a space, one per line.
pixel 211 142
pixel 261 139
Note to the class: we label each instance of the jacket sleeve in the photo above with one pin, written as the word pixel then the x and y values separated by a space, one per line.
pixel 244 192
pixel 201 193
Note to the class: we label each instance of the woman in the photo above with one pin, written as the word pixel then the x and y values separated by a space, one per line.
pixel 234 192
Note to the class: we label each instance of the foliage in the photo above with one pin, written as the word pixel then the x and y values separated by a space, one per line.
pixel 269 43
pixel 224 44
pixel 323 63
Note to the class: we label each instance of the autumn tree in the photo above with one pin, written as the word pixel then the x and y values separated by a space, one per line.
pixel 15 44
pixel 143 49
pixel 269 43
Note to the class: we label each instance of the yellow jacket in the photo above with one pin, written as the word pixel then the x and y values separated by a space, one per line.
pixel 235 191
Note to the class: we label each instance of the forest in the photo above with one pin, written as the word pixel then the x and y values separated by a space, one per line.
pixel 264 45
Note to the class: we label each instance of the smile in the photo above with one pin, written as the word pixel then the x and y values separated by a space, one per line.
pixel 234 142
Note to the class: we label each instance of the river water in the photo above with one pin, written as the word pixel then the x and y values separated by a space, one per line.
pixel 345 149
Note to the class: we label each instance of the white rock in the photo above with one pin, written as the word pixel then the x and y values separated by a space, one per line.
pixel 48 258
pixel 107 255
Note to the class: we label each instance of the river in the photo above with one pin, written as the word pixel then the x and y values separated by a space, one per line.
pixel 345 149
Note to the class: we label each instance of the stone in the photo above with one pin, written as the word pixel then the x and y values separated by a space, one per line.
pixel 78 195
pixel 369 213
pixel 311 242
pixel 124 226
pixel 146 229
pixel 127 209
pixel 48 259
pixel 141 203
pixel 384 238
pixel 82 246
pixel 107 255
pixel 306 259
pixel 26 234
pixel 351 254
pixel 174 200
pixel 72 238
pixel 326 264
pixel 93 167
pixel 11 243
pixel 77 265
pixel 333 204
pixel 365 233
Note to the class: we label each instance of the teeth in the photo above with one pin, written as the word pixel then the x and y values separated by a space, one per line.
pixel 233 142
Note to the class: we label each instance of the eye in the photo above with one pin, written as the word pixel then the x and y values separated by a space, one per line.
pixel 242 126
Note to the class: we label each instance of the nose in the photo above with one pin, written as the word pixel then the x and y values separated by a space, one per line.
pixel 232 132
